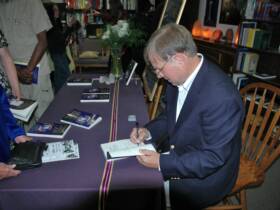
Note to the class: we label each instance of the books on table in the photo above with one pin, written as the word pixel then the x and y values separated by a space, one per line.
pixel 94 97
pixel 81 119
pixel 79 81
pixel 22 109
pixel 52 130
pixel 95 94
pixel 35 71
pixel 62 150
pixel 123 148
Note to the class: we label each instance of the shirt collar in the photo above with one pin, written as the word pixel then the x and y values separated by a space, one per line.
pixel 186 85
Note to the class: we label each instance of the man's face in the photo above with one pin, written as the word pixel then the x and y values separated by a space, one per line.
pixel 170 70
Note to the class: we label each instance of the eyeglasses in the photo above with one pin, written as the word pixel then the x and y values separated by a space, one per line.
pixel 159 70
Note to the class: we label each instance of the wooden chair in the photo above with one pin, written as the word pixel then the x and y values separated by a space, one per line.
pixel 91 53
pixel 260 141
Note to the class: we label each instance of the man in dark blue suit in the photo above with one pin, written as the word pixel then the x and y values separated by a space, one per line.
pixel 202 118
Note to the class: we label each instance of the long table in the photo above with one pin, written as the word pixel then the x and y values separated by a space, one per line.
pixel 90 182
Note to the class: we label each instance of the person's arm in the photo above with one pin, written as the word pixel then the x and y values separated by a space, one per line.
pixel 38 52
pixel 8 171
pixel 10 70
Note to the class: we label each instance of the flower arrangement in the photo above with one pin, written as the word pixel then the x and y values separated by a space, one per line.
pixel 117 37
pixel 122 34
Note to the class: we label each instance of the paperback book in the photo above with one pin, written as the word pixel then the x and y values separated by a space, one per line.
pixel 22 109
pixel 97 90
pixel 79 81
pixel 95 97
pixel 81 119
pixel 52 130
pixel 123 148
pixel 35 71
pixel 62 150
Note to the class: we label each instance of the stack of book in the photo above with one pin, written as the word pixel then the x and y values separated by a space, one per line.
pixel 81 119
pixel 52 130
pixel 247 62
pixel 95 94
pixel 22 109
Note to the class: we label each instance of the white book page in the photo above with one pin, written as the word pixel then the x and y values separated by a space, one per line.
pixel 124 148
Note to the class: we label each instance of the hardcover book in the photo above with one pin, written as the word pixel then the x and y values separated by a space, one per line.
pixel 95 97
pixel 52 130
pixel 123 148
pixel 81 119
pixel 62 150
pixel 79 81
pixel 97 90
pixel 35 72
pixel 22 109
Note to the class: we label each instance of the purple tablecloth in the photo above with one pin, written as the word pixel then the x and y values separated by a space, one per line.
pixel 76 184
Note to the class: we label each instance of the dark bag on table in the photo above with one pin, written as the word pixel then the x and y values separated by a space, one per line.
pixel 27 155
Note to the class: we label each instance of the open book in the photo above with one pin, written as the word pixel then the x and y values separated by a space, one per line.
pixel 22 109
pixel 123 148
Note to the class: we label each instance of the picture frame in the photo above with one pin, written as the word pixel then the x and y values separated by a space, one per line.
pixel 211 13
pixel 172 12
pixel 230 12
pixel 130 71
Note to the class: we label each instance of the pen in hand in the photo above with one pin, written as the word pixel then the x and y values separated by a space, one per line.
pixel 137 132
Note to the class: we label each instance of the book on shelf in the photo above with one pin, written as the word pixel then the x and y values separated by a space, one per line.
pixel 244 31
pixel 79 81
pixel 35 71
pixel 81 119
pixel 22 109
pixel 264 76
pixel 97 90
pixel 61 150
pixel 250 63
pixel 94 97
pixel 123 148
pixel 130 71
pixel 52 130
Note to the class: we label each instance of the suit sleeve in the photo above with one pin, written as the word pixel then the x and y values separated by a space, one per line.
pixel 220 124
pixel 13 130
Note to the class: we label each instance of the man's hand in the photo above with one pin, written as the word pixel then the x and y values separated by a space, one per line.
pixel 23 138
pixel 149 158
pixel 8 171
pixel 139 135
pixel 25 76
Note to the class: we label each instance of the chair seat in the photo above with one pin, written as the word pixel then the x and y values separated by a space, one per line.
pixel 249 174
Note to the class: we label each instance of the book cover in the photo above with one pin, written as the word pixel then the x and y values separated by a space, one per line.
pixel 94 97
pixel 81 119
pixel 22 109
pixel 123 148
pixel 52 130
pixel 96 90
pixel 59 151
pixel 35 72
pixel 79 81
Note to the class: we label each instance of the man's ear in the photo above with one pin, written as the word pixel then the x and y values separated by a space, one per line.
pixel 179 58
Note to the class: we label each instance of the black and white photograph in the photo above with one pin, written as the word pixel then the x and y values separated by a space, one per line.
pixel 230 12
pixel 211 11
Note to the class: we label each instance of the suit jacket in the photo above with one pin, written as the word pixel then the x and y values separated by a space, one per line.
pixel 205 141
pixel 9 129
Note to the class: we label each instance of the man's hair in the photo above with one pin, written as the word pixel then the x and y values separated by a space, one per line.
pixel 169 40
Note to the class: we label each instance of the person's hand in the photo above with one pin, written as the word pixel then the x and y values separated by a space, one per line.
pixel 16 94
pixel 96 13
pixel 22 139
pixel 25 76
pixel 149 158
pixel 8 171
pixel 139 135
